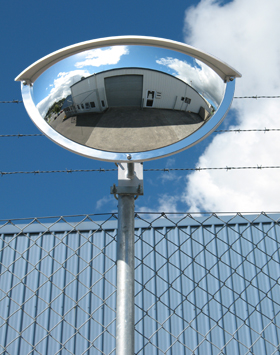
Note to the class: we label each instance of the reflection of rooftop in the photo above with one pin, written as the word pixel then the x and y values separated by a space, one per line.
pixel 129 129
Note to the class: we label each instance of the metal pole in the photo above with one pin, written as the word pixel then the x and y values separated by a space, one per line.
pixel 130 186
pixel 125 276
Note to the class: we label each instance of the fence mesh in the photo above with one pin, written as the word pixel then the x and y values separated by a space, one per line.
pixel 203 284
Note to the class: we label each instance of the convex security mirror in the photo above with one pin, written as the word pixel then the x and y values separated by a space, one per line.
pixel 127 98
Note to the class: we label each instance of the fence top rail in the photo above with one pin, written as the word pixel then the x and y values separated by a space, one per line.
pixel 142 220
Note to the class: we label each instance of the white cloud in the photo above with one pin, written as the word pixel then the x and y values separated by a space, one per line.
pixel 168 203
pixel 170 162
pixel 60 89
pixel 165 203
pixel 104 201
pixel 98 57
pixel 245 34
pixel 200 77
pixel 169 176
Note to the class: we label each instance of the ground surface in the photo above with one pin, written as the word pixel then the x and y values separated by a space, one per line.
pixel 128 129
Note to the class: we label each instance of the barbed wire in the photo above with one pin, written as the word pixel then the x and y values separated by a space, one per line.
pixel 220 168
pixel 249 130
pixel 101 170
pixel 35 172
pixel 19 135
pixel 235 97
pixel 256 97
pixel 11 102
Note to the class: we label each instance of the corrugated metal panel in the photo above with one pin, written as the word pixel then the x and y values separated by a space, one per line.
pixel 124 90
pixel 129 86
pixel 202 286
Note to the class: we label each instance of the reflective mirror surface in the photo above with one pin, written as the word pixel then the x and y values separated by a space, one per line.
pixel 127 99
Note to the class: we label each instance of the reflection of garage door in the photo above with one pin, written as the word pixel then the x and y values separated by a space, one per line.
pixel 124 90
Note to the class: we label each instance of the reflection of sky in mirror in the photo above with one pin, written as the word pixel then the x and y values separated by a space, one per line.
pixel 201 77
pixel 54 84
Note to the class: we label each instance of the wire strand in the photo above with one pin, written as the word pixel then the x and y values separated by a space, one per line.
pixel 56 171
pixel 19 135
pixel 256 97
pixel 11 102
pixel 235 97
pixel 249 130
pixel 221 168
pixel 36 172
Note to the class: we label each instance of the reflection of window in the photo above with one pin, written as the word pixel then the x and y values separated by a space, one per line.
pixel 186 99
pixel 78 106
pixel 87 105
pixel 150 94
pixel 92 104
pixel 150 98
pixel 82 105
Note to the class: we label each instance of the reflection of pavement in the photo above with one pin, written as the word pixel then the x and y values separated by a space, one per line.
pixel 69 129
pixel 129 129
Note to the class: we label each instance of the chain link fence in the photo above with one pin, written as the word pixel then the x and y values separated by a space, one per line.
pixel 204 284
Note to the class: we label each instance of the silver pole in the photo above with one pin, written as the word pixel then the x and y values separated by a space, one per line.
pixel 130 186
pixel 125 276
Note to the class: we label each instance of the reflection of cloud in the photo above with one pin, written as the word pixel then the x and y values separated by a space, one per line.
pixel 201 77
pixel 60 89
pixel 98 57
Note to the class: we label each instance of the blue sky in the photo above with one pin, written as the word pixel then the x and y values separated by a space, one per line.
pixel 33 29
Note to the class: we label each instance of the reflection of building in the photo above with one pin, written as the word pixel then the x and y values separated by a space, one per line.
pixel 131 110
pixel 135 87
pixel 68 105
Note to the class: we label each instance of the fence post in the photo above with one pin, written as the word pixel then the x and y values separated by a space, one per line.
pixel 125 277
pixel 130 184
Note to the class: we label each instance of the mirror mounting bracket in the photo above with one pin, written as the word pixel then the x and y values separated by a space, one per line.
pixel 130 180
pixel 229 78
pixel 27 82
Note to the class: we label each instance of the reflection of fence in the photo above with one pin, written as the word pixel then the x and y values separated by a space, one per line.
pixel 203 285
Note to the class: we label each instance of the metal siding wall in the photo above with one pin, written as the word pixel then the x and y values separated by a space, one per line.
pixel 124 90
pixel 201 287
pixel 173 88
pixel 153 80
pixel 56 292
